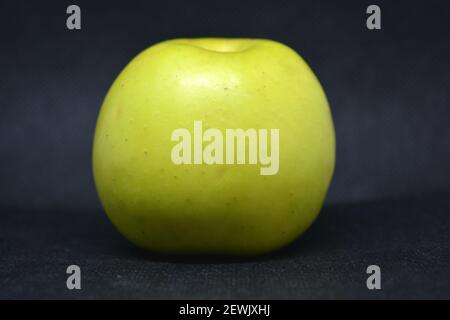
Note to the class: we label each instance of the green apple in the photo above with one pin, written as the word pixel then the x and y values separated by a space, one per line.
pixel 166 170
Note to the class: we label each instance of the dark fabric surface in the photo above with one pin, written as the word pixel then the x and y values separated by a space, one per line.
pixel 407 237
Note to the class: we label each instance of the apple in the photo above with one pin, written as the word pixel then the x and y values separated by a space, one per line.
pixel 214 146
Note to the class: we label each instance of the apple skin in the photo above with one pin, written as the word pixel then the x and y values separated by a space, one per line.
pixel 213 209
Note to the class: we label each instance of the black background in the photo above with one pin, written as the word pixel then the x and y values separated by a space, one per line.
pixel 389 93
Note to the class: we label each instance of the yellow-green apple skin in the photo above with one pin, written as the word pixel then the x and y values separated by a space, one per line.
pixel 213 209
